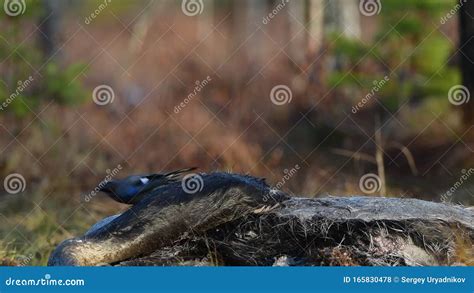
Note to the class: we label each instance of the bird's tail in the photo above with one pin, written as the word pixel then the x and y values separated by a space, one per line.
pixel 173 175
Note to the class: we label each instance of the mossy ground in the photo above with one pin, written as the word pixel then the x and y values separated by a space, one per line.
pixel 32 226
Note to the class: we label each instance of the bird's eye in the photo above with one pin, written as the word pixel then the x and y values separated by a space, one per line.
pixel 144 180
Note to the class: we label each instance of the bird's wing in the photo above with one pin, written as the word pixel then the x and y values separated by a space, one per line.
pixel 157 180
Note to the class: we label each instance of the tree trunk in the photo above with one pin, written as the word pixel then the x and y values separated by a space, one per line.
pixel 338 231
pixel 253 40
pixel 239 220
pixel 297 36
pixel 466 47
pixel 50 26
pixel 315 25
pixel 206 22
pixel 342 16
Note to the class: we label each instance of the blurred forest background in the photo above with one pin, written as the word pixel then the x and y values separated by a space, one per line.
pixel 314 95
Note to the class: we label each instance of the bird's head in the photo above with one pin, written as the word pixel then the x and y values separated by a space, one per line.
pixel 125 190
pixel 132 189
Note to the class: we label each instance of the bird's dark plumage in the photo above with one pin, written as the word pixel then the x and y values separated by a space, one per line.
pixel 132 189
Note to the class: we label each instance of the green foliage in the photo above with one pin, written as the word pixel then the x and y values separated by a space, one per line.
pixel 432 54
pixel 408 47
pixel 64 85
pixel 436 86
pixel 26 80
pixel 351 48
pixel 19 106
pixel 38 230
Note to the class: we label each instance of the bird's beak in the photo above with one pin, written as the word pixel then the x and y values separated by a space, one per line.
pixel 105 187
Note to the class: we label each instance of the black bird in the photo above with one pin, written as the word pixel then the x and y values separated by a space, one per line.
pixel 132 189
